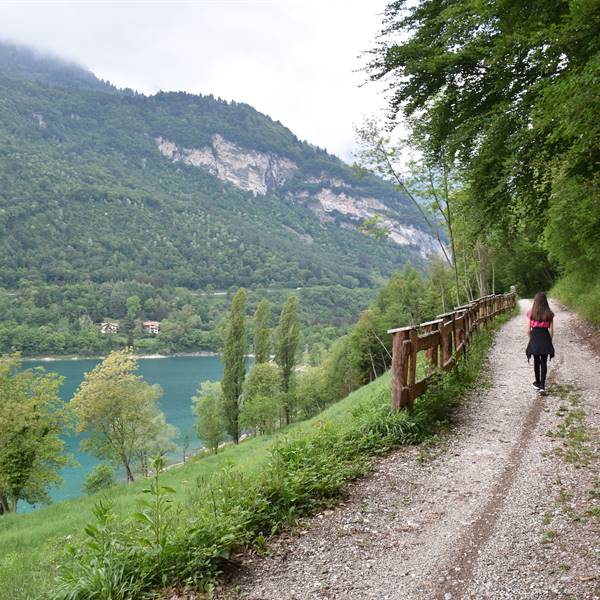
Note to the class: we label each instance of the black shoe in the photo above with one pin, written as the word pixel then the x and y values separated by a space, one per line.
pixel 536 385
pixel 542 392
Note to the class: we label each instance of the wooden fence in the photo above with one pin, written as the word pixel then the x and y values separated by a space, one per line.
pixel 443 340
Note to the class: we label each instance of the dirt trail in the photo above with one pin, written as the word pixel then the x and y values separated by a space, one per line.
pixel 496 514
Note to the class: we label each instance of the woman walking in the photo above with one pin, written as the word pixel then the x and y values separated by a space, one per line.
pixel 541 331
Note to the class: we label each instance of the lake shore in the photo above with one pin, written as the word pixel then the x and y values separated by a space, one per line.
pixel 51 358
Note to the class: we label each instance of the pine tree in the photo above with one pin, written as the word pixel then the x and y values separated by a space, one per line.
pixel 288 336
pixel 234 364
pixel 262 320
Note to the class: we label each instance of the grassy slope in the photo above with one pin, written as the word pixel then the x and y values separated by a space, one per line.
pixel 30 538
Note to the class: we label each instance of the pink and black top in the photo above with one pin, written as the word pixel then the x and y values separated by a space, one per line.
pixel 544 324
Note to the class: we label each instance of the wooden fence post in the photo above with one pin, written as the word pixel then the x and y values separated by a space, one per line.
pixel 396 370
pixel 412 369
pixel 446 341
pixel 400 357
pixel 432 355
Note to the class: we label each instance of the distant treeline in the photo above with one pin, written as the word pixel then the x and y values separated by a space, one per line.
pixel 65 319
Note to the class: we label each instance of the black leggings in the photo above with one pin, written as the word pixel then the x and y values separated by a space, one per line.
pixel 540 366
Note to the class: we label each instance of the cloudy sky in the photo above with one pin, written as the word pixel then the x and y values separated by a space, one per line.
pixel 295 60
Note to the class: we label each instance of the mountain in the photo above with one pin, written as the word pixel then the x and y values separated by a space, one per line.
pixel 100 186
pixel 21 62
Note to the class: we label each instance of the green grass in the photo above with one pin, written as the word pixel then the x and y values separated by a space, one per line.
pixel 572 430
pixel 582 294
pixel 238 497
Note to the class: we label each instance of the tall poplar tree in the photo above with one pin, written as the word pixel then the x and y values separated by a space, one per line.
pixel 288 336
pixel 262 320
pixel 234 364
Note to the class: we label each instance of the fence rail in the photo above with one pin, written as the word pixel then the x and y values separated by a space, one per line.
pixel 443 340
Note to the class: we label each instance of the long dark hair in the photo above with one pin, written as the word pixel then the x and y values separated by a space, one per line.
pixel 540 311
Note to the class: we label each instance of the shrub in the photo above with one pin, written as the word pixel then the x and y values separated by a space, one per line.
pixel 100 478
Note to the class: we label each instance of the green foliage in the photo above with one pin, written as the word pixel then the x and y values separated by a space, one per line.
pixel 262 332
pixel 287 338
pixel 158 440
pixel 208 406
pixel 365 353
pixel 523 130
pixel 262 398
pixel 155 517
pixel 119 411
pixel 103 566
pixel 373 228
pixel 32 420
pixel 581 293
pixel 101 477
pixel 311 392
pixel 118 561
pixel 234 363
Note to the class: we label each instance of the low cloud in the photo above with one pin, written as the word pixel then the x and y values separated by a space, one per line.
pixel 294 60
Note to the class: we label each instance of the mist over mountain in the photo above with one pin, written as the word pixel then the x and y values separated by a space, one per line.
pixel 23 62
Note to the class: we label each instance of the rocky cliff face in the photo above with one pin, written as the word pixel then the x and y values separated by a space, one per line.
pixel 250 170
pixel 334 201
pixel 353 210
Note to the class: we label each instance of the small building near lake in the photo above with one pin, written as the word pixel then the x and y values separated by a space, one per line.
pixel 151 327
pixel 109 327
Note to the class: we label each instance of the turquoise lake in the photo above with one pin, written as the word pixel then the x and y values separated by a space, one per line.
pixel 179 378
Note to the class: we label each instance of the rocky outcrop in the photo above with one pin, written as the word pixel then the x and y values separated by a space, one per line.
pixel 407 235
pixel 250 170
pixel 358 209
pixel 262 172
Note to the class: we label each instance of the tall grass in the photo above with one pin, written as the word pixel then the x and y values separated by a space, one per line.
pixel 580 293
pixel 220 503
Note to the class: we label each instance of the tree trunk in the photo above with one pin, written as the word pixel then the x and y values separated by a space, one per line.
pixel 443 298
pixel 128 473
pixel 482 270
pixel 14 504
pixel 451 234
pixel 468 288
pixel 383 360
pixel 4 504
pixel 373 365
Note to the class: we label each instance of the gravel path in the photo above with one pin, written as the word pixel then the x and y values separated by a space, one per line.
pixel 503 510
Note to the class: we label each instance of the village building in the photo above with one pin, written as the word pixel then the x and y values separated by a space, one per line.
pixel 109 327
pixel 152 327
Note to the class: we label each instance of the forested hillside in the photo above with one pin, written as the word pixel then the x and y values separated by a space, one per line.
pixel 108 194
